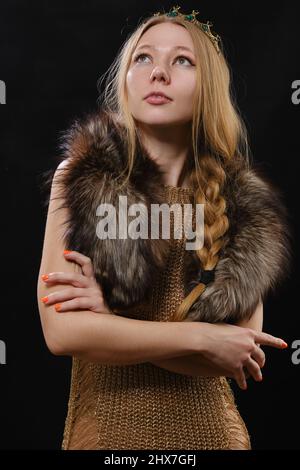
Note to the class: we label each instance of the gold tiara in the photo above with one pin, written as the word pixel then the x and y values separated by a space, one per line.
pixel 205 27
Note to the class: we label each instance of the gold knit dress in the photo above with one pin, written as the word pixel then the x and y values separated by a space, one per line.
pixel 142 406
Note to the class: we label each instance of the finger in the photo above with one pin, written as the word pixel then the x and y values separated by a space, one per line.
pixel 75 304
pixel 254 369
pixel 259 356
pixel 84 261
pixel 75 279
pixel 269 340
pixel 241 379
pixel 63 295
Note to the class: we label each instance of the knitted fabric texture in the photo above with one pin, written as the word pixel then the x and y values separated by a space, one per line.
pixel 142 406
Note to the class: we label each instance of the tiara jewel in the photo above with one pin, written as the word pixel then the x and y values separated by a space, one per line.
pixel 205 27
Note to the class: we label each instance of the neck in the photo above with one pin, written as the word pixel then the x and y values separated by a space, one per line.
pixel 169 148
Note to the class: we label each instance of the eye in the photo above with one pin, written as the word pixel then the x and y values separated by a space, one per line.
pixel 138 56
pixel 136 59
pixel 185 58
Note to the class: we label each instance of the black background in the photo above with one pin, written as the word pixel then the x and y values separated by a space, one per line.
pixel 51 55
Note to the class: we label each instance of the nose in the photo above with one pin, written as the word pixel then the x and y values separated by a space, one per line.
pixel 159 74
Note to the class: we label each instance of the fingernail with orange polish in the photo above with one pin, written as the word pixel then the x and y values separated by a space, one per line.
pixel 66 252
pixel 284 345
pixel 57 307
pixel 45 277
pixel 44 299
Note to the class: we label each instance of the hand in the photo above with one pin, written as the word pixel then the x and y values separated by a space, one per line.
pixel 85 293
pixel 236 349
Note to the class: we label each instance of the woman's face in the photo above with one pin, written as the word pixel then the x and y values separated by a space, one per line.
pixel 163 67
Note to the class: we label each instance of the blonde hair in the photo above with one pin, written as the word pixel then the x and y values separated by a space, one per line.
pixel 218 134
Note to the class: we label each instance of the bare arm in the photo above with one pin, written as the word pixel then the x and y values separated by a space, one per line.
pixel 103 338
pixel 196 364
pixel 109 339
pixel 256 321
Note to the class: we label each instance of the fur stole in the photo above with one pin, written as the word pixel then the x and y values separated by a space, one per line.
pixel 254 259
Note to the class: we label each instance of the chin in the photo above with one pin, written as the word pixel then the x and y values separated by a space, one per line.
pixel 157 120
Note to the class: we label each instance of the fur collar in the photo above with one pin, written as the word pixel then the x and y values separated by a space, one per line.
pixel 256 255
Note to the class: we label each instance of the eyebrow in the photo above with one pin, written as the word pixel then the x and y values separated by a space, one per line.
pixel 175 47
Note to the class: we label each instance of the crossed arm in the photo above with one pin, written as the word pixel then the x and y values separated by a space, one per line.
pixel 196 364
pixel 113 339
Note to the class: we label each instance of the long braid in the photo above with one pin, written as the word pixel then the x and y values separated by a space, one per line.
pixel 209 181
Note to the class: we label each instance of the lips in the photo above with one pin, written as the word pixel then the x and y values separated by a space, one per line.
pixel 158 93
pixel 157 100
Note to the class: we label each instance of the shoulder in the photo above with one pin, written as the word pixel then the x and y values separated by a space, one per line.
pixel 255 204
pixel 88 133
pixel 93 144
pixel 254 188
pixel 63 164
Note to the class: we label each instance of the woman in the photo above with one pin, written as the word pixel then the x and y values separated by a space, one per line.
pixel 156 330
